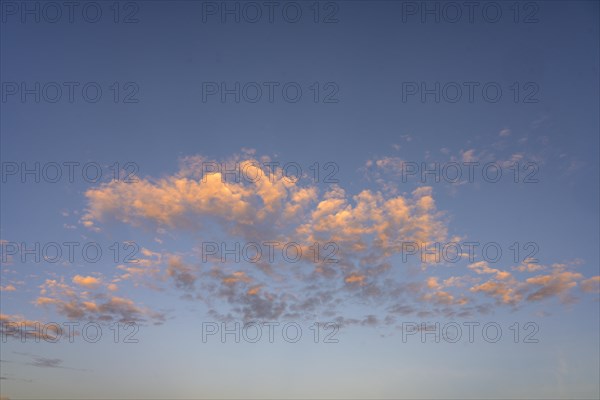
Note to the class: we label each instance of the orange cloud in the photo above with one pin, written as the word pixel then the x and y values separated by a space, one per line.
pixel 482 267
pixel 355 278
pixel 185 198
pixel 254 290
pixel 75 304
pixel 368 228
pixel 181 274
pixel 17 326
pixel 555 284
pixel 112 287
pixel 236 277
pixel 528 266
pixel 88 281
pixel 504 292
pixel 591 285
pixel 432 283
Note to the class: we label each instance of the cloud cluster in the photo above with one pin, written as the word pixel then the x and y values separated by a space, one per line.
pixel 97 305
pixel 367 228
pixel 557 281
pixel 18 327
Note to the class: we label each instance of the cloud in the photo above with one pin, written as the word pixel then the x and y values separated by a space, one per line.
pixel 245 208
pixel 555 284
pixel 509 290
pixel 482 267
pixel 112 287
pixel 43 362
pixel 254 290
pixel 16 326
pixel 8 288
pixel 591 285
pixel 370 221
pixel 181 274
pixel 504 292
pixel 432 282
pixel 236 277
pixel 194 192
pixel 101 305
pixel 469 156
pixel 366 231
pixel 46 362
pixel 89 282
pixel 528 266
pixel 355 279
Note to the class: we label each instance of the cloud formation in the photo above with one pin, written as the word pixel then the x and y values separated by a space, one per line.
pixel 99 305
pixel 366 230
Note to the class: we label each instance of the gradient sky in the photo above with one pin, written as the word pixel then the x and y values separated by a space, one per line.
pixel 164 58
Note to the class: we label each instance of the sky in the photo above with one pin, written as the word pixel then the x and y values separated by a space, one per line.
pixel 299 199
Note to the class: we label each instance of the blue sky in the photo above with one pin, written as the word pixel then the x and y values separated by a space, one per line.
pixel 164 71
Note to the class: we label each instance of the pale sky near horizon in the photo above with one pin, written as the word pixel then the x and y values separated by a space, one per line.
pixel 369 136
